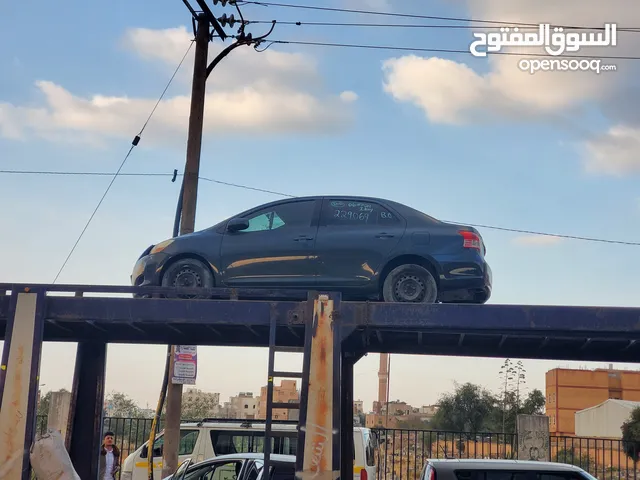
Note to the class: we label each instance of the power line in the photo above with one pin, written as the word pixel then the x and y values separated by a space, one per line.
pixel 134 143
pixel 439 50
pixel 409 25
pixel 274 192
pixel 417 16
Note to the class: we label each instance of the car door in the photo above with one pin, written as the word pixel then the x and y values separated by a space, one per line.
pixel 186 447
pixel 277 250
pixel 354 240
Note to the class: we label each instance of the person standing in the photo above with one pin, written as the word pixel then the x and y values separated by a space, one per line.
pixel 109 458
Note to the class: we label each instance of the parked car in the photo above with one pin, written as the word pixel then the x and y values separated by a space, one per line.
pixel 484 469
pixel 214 438
pixel 366 248
pixel 241 466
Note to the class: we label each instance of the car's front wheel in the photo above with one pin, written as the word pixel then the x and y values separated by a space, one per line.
pixel 188 273
pixel 410 284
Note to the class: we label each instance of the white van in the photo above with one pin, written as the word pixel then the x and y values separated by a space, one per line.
pixel 204 440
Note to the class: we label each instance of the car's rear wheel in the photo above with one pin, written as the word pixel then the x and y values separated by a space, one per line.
pixel 410 284
pixel 188 273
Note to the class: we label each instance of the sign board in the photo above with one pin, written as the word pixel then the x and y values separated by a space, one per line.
pixel 185 365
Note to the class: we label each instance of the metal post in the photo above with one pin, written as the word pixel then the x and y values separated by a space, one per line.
pixel 320 416
pixel 87 405
pixel 346 406
pixel 187 225
pixel 19 382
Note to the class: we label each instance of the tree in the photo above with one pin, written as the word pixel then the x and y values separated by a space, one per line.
pixel 121 406
pixel 631 435
pixel 43 404
pixel 467 409
pixel 534 403
pixel 198 408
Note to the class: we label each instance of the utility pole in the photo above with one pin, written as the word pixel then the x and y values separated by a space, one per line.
pixel 187 224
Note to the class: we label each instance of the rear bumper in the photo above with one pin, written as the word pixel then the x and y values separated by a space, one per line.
pixel 465 282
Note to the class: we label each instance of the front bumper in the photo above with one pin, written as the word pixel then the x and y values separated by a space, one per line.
pixel 146 272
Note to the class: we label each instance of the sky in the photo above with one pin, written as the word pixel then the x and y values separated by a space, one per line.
pixel 464 139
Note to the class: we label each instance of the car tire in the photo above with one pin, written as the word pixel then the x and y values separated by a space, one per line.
pixel 188 272
pixel 410 284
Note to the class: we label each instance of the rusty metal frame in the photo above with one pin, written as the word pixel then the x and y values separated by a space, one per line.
pixel 554 332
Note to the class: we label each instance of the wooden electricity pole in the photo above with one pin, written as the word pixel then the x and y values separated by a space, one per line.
pixel 187 225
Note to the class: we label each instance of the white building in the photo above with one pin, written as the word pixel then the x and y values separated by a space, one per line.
pixel 604 420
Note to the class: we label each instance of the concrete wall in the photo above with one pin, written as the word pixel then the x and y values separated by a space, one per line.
pixel 59 412
pixel 533 438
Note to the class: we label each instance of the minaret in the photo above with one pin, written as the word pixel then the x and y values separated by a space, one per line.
pixel 383 381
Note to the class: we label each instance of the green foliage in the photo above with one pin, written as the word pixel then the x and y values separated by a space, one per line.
pixel 199 408
pixel 631 435
pixel 467 409
pixel 120 405
pixel 471 408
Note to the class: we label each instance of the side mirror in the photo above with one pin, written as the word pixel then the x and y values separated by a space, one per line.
pixel 237 224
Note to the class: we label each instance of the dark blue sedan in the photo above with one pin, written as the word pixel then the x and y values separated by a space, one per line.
pixel 366 248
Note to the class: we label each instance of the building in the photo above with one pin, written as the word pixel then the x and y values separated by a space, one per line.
pixel 287 392
pixel 604 420
pixel 569 391
pixel 383 384
pixel 244 405
pixel 358 407
pixel 400 415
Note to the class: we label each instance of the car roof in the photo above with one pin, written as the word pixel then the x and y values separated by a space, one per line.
pixel 452 463
pixel 275 457
pixel 242 425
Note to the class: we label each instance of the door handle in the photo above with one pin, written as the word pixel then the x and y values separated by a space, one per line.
pixel 302 238
pixel 385 235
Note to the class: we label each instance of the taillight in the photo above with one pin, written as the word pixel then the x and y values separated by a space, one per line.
pixel 432 476
pixel 470 239
pixel 363 474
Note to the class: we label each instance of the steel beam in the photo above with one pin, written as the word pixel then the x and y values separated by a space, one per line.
pixel 346 408
pixel 20 371
pixel 320 419
pixel 87 403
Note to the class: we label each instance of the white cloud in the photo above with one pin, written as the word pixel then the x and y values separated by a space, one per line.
pixel 348 96
pixel 259 93
pixel 616 152
pixel 454 93
pixel 537 240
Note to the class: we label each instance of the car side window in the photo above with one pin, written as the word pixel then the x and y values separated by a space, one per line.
pixel 292 214
pixel 222 471
pixel 337 212
pixel 188 440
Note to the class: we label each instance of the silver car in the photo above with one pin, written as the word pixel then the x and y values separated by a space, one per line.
pixel 479 469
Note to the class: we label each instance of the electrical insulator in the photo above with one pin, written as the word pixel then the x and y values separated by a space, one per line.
pixel 224 20
pixel 222 2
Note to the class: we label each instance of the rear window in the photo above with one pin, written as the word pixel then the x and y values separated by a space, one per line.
pixel 231 442
pixel 492 475
pixel 515 475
